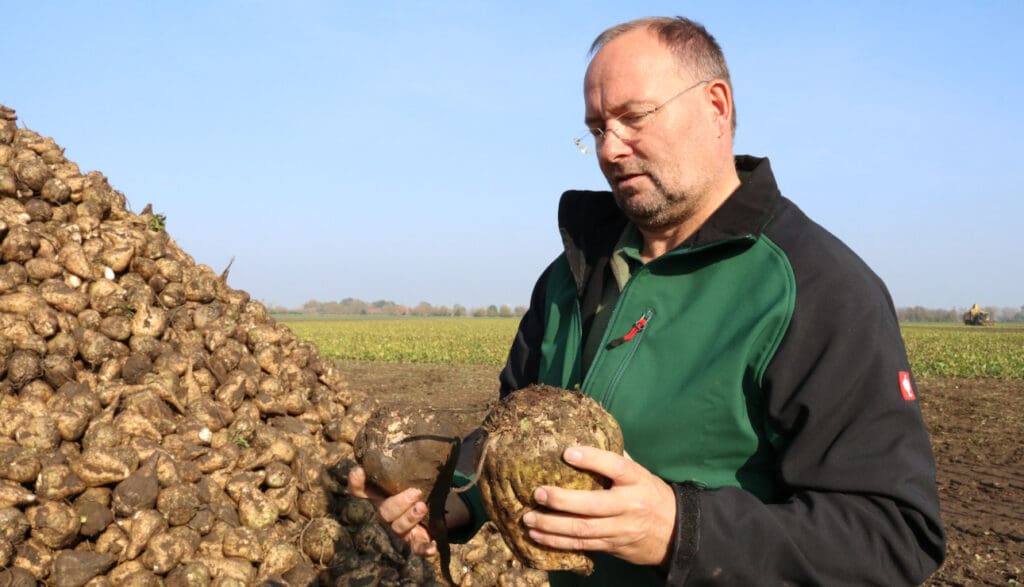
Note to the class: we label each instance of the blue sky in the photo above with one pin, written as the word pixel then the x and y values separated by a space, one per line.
pixel 415 151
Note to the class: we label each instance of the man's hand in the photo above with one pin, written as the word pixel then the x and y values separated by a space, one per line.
pixel 633 520
pixel 402 512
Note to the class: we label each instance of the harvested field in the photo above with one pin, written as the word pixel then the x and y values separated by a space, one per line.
pixel 976 427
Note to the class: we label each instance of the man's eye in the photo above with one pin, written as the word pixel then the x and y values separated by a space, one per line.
pixel 596 132
pixel 632 118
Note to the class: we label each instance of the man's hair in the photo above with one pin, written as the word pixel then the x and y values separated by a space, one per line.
pixel 689 41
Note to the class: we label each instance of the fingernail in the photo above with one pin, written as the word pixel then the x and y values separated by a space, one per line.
pixel 418 509
pixel 573 456
pixel 530 518
pixel 541 495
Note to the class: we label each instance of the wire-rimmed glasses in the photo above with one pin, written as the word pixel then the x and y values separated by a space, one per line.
pixel 626 126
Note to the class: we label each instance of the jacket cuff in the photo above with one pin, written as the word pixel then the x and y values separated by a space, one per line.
pixel 477 514
pixel 686 537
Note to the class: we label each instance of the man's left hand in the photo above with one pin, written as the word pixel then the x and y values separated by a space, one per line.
pixel 633 520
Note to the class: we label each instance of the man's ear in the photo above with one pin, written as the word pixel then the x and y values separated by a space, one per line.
pixel 720 99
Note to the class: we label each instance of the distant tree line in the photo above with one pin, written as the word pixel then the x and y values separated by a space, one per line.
pixel 354 307
pixel 922 314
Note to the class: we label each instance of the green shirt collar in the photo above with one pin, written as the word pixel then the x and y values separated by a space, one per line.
pixel 626 257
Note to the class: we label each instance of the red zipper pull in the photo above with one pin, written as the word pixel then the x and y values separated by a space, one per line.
pixel 637 327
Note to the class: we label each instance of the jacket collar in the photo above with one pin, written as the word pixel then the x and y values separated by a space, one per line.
pixel 590 222
pixel 747 210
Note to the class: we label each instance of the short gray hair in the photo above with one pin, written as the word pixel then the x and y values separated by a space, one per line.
pixel 688 40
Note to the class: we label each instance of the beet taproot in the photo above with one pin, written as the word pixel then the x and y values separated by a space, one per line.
pixel 75 568
pixel 522 445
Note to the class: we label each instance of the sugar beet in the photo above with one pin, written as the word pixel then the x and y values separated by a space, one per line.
pixel 524 438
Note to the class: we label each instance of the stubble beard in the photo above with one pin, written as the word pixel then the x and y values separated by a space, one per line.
pixel 653 207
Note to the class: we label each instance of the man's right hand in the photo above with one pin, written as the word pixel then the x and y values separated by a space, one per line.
pixel 403 513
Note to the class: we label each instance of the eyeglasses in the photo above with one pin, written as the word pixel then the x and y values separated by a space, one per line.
pixel 626 126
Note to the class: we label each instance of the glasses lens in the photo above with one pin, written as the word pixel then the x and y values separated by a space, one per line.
pixel 585 143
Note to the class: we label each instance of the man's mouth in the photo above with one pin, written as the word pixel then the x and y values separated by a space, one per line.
pixel 625 179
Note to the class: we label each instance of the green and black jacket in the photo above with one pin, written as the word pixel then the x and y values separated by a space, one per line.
pixel 759 369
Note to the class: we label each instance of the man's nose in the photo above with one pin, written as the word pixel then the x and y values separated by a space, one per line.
pixel 611 146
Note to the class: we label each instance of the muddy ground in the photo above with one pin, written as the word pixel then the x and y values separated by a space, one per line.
pixel 977 429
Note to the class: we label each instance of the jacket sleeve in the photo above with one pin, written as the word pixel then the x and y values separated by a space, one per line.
pixel 852 449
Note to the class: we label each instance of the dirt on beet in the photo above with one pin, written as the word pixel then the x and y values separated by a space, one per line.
pixel 976 427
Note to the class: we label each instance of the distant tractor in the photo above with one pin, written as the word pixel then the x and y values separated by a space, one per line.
pixel 977 317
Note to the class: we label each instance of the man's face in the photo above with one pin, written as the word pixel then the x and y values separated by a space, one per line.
pixel 660 175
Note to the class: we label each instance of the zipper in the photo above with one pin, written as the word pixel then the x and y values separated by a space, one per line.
pixel 601 348
pixel 634 336
pixel 637 328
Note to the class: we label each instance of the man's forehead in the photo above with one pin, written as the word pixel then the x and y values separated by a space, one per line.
pixel 633 57
pixel 629 70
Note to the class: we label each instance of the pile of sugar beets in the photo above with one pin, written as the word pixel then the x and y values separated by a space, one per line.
pixel 156 425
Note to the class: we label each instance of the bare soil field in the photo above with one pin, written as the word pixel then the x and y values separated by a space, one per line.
pixel 977 431
pixel 976 426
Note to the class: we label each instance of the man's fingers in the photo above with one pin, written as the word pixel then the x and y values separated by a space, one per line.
pixel 613 466
pixel 357 482
pixel 570 542
pixel 402 512
pixel 424 547
pixel 621 471
pixel 569 526
pixel 579 501
pixel 358 487
pixel 398 504
pixel 409 519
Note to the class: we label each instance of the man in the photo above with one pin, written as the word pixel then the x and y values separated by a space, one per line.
pixel 754 362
